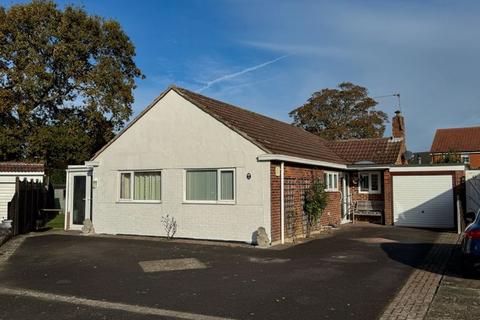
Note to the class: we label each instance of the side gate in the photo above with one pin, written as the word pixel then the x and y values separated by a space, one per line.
pixel 25 207
pixel 472 190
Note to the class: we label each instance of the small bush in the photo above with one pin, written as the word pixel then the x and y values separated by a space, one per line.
pixel 316 200
pixel 170 226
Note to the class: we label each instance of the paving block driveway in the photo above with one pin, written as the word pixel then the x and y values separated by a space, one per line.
pixel 352 274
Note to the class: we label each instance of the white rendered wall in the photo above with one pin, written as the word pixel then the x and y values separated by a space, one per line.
pixel 172 136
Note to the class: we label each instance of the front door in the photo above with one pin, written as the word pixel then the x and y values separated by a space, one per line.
pixel 345 198
pixel 80 199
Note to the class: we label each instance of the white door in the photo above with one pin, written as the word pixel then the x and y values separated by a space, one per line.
pixel 79 205
pixel 345 198
pixel 424 201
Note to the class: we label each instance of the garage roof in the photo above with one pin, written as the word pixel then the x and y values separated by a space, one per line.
pixel 376 151
pixel 21 167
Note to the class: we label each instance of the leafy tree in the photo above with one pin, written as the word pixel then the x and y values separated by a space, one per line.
pixel 316 200
pixel 66 82
pixel 343 113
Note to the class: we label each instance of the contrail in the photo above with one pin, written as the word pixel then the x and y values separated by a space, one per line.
pixel 236 74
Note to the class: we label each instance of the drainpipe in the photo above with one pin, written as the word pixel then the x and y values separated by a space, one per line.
pixel 67 200
pixel 282 202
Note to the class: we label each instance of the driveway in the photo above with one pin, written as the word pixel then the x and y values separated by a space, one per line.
pixel 352 274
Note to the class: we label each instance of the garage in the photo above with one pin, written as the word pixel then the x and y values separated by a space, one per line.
pixel 9 171
pixel 424 197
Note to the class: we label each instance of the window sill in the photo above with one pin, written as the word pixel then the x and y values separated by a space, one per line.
pixel 209 202
pixel 370 192
pixel 331 190
pixel 139 201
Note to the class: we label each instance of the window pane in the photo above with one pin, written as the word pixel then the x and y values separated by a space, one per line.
pixel 201 185
pixel 330 181
pixel 335 178
pixel 147 186
pixel 364 182
pixel 125 185
pixel 375 181
pixel 226 185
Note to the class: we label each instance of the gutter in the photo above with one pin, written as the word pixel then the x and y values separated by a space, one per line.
pixel 455 167
pixel 284 158
pixel 282 202
pixel 362 167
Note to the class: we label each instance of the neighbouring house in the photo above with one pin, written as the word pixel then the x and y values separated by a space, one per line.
pixel 9 171
pixel 222 172
pixel 460 145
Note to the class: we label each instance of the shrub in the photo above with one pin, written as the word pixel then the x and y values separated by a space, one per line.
pixel 170 226
pixel 316 199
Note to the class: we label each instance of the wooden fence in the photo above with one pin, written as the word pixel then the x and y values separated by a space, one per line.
pixel 26 206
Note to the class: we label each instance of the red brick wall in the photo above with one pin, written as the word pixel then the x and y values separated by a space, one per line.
pixel 388 197
pixel 354 190
pixel 356 195
pixel 275 202
pixel 297 224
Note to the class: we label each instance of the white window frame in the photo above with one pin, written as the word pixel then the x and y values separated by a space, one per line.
pixel 335 176
pixel 465 156
pixel 219 192
pixel 132 183
pixel 369 174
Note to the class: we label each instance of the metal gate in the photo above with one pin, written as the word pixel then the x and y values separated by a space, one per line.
pixel 472 192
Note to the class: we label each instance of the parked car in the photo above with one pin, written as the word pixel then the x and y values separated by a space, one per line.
pixel 471 242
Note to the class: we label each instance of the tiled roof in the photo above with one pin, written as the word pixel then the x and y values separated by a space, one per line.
pixel 277 137
pixel 456 139
pixel 378 151
pixel 21 167
pixel 271 135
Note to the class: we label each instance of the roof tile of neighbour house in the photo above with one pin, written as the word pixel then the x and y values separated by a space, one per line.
pixel 271 135
pixel 378 151
pixel 21 167
pixel 456 139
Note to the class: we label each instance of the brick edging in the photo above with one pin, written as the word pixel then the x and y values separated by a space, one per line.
pixel 9 247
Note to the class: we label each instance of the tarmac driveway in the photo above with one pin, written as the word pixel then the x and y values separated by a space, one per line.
pixel 352 274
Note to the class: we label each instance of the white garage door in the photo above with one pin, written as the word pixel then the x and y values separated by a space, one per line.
pixel 423 201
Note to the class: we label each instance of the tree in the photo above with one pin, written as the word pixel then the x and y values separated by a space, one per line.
pixel 343 113
pixel 66 82
pixel 316 200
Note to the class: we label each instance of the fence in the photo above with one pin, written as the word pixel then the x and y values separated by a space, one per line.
pixel 25 208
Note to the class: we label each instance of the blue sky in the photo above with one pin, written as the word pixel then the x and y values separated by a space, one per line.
pixel 270 56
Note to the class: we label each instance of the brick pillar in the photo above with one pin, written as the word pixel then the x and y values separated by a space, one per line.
pixel 388 198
